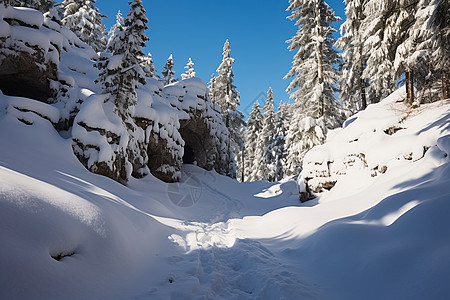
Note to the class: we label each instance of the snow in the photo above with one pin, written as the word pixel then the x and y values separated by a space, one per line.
pixel 382 237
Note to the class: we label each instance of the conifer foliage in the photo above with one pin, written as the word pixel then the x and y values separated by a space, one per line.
pixel 168 72
pixel 264 156
pixel 314 82
pixel 223 93
pixel 120 75
pixel 190 72
pixel 41 5
pixel 254 126
pixel 85 20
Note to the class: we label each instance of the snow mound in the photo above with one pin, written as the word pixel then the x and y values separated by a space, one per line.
pixel 209 236
pixel 376 141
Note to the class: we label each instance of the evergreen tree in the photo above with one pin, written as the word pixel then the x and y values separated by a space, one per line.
pixel 314 79
pixel 254 125
pixel 224 93
pixel 120 75
pixel 440 25
pixel 149 67
pixel 168 72
pixel 190 73
pixel 264 159
pixel 117 27
pixel 385 28
pixel 85 20
pixel 352 84
pixel 278 145
pixel 41 5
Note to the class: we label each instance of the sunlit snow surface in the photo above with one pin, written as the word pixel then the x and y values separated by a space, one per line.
pixel 210 237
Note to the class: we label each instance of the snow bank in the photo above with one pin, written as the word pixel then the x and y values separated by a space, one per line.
pixel 375 141
pixel 209 236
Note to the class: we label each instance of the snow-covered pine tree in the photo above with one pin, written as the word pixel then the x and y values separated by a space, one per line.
pixel 440 24
pixel 264 159
pixel 212 87
pixel 85 20
pixel 278 146
pixel 120 76
pixel 190 73
pixel 351 83
pixel 413 56
pixel 41 5
pixel 149 66
pixel 385 27
pixel 117 27
pixel 224 94
pixel 254 125
pixel 168 73
pixel 314 79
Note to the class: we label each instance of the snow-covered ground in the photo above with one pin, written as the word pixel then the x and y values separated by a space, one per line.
pixel 66 233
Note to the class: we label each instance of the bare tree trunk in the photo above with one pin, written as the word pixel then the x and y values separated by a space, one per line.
pixel 319 59
pixel 411 87
pixel 407 86
pixel 409 78
pixel 445 85
pixel 242 163
pixel 363 94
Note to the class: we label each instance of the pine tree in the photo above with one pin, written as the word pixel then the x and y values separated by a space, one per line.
pixel 85 20
pixel 278 146
pixel 254 125
pixel 352 84
pixel 224 94
pixel 116 28
pixel 264 157
pixel 168 72
pixel 149 67
pixel 190 73
pixel 385 28
pixel 314 79
pixel 120 76
pixel 41 5
pixel 440 24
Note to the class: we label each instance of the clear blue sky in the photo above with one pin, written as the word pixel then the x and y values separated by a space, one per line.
pixel 257 31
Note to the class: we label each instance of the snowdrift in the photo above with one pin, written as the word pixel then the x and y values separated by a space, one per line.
pixel 68 233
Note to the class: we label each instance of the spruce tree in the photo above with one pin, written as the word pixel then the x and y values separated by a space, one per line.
pixel 120 76
pixel 352 85
pixel 149 67
pixel 168 73
pixel 385 28
pixel 254 125
pixel 41 5
pixel 278 145
pixel 314 79
pixel 117 27
pixel 440 25
pixel 85 20
pixel 264 157
pixel 224 94
pixel 190 73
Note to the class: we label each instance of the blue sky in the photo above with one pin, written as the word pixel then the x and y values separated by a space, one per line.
pixel 257 31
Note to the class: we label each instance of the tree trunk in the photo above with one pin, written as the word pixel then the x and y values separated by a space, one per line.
pixel 409 77
pixel 445 85
pixel 411 87
pixel 407 86
pixel 243 166
pixel 319 59
pixel 363 94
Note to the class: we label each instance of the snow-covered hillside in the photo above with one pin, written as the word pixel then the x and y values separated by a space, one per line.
pixel 66 233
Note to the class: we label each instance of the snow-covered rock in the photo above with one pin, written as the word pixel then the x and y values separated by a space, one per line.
pixel 373 142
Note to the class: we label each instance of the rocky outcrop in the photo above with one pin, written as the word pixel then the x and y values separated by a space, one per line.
pixel 21 75
pixel 26 64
